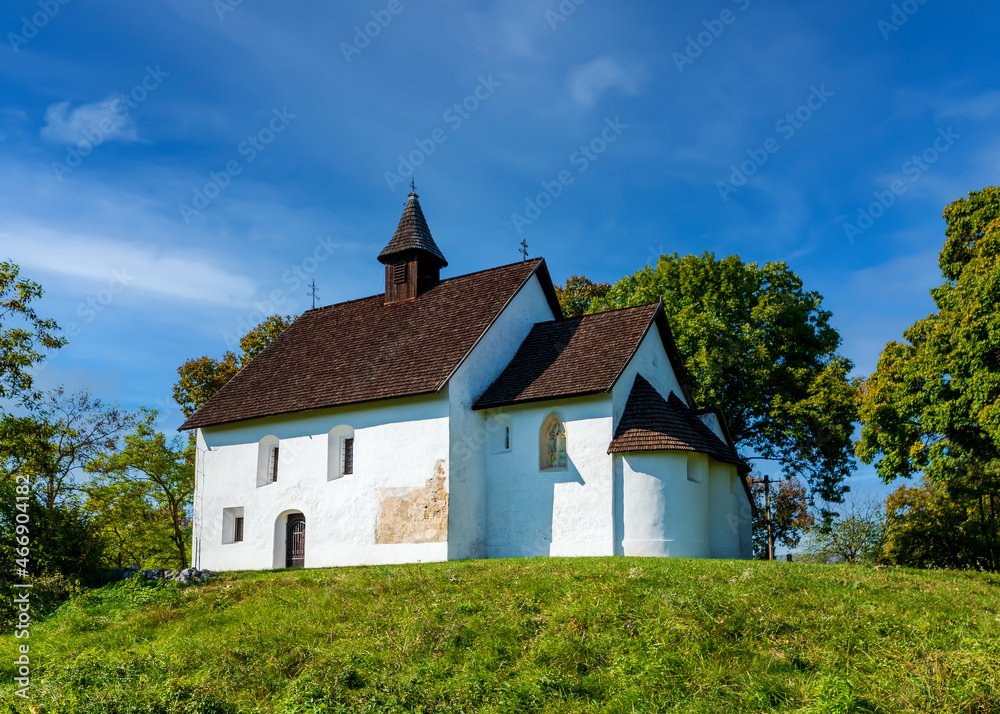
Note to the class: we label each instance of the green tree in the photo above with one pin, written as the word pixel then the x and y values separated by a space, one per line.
pixel 857 536
pixel 580 295
pixel 152 470
pixel 201 378
pixel 63 550
pixel 42 456
pixel 80 427
pixel 760 347
pixel 24 336
pixel 790 515
pixel 129 523
pixel 933 404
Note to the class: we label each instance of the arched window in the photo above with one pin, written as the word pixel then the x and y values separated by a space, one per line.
pixel 552 444
pixel 340 451
pixel 267 460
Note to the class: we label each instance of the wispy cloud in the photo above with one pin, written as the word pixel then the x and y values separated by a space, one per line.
pixel 153 270
pixel 587 83
pixel 108 119
pixel 982 107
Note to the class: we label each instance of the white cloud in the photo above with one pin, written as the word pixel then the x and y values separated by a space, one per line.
pixel 983 107
pixel 588 82
pixel 108 119
pixel 142 268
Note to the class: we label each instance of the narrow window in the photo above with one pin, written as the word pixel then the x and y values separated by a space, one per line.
pixel 498 428
pixel 553 444
pixel 238 529
pixel 347 467
pixel 272 466
pixel 399 273
pixel 340 452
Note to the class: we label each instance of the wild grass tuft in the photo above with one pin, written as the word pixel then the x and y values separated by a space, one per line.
pixel 541 635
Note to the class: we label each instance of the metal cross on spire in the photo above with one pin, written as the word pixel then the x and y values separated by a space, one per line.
pixel 524 249
pixel 313 292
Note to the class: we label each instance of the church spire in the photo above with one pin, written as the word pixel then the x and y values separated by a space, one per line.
pixel 412 259
pixel 412 234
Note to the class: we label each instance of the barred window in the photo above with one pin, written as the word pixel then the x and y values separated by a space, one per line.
pixel 347 462
pixel 272 465
pixel 340 452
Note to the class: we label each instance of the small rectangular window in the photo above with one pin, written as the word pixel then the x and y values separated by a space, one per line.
pixel 506 437
pixel 272 467
pixel 232 525
pixel 347 466
pixel 399 273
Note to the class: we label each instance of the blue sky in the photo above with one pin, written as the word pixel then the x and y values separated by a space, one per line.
pixel 296 122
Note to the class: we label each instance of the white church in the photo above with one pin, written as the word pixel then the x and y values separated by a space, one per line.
pixel 463 417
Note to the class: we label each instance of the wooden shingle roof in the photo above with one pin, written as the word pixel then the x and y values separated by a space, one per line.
pixel 412 234
pixel 652 423
pixel 365 350
pixel 576 357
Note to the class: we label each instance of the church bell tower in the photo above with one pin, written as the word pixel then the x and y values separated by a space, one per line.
pixel 412 259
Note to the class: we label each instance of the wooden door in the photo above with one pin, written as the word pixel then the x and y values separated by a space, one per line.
pixel 295 541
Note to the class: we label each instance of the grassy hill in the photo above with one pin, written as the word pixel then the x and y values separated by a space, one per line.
pixel 541 635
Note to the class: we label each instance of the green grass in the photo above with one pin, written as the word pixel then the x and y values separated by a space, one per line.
pixel 540 635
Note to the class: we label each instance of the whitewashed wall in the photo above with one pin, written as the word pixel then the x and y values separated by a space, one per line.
pixel 531 512
pixel 725 491
pixel 467 531
pixel 663 513
pixel 401 444
pixel 651 361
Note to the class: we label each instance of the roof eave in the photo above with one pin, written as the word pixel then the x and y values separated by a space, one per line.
pixel 186 427
pixel 534 400
pixel 546 284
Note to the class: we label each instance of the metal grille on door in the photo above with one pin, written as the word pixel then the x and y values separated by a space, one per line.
pixel 295 541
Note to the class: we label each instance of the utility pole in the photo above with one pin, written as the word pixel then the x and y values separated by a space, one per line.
pixel 767 517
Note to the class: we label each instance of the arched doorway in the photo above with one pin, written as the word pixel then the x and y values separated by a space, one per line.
pixel 295 541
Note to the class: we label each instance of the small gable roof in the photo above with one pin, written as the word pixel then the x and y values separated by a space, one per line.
pixel 652 423
pixel 365 350
pixel 578 356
